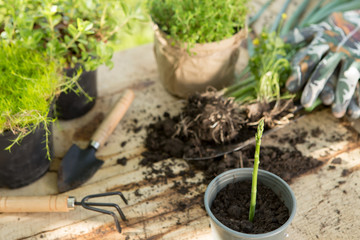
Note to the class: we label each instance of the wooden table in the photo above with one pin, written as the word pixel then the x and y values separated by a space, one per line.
pixel 328 202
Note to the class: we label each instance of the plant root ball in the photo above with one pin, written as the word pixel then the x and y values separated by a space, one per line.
pixel 211 117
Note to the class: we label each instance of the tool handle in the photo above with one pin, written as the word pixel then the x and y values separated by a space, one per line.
pixel 112 119
pixel 59 203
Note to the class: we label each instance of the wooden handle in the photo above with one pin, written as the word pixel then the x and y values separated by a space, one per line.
pixel 112 119
pixel 58 203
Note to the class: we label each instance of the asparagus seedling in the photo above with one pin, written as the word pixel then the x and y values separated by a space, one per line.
pixel 258 136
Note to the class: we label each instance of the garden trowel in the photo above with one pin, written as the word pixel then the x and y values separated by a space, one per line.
pixel 79 165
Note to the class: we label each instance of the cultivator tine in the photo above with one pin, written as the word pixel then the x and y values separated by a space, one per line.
pixel 93 206
pixel 105 195
pixel 122 215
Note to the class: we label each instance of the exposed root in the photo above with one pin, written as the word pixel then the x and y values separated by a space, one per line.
pixel 211 117
pixel 280 114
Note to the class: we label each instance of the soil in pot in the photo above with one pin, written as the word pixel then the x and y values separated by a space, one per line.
pixel 231 207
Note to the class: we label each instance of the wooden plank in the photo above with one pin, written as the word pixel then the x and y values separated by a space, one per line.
pixel 327 198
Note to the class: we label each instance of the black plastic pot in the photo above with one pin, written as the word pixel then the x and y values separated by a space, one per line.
pixel 72 105
pixel 26 162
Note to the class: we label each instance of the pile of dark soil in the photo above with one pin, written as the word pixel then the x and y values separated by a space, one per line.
pixel 231 207
pixel 209 120
pixel 206 121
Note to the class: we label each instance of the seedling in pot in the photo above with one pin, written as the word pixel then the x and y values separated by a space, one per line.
pixel 258 136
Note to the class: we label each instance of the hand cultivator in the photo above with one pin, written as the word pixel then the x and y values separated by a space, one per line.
pixel 61 203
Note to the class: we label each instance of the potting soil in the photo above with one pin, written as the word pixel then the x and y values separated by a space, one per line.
pixel 231 208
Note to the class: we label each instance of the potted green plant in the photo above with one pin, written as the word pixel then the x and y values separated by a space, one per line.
pixel 196 43
pixel 236 213
pixel 29 83
pixel 82 33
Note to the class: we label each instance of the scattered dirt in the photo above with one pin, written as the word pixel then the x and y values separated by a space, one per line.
pixel 316 132
pixel 298 137
pixel 336 160
pixel 123 144
pixel 194 133
pixel 288 164
pixel 231 207
pixel 122 161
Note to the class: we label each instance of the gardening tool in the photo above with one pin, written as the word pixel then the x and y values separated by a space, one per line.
pixel 61 203
pixel 79 165
pixel 221 150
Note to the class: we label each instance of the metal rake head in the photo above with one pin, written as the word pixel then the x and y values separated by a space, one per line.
pixel 93 206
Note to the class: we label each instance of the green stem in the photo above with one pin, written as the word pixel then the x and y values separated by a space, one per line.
pixel 325 11
pixel 116 29
pixel 250 46
pixel 304 21
pixel 238 85
pixel 279 16
pixel 243 72
pixel 243 90
pixel 260 12
pixel 73 40
pixel 255 171
pixel 294 17
pixel 247 97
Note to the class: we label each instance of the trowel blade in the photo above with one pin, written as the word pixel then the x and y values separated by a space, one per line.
pixel 78 166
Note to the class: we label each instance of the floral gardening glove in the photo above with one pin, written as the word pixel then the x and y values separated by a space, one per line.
pixel 335 41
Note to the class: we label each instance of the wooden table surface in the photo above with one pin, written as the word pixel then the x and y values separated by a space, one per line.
pixel 328 202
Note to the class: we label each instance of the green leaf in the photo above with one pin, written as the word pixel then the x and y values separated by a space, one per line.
pixel 80 24
pixel 67 39
pixel 88 26
pixel 125 8
pixel 57 19
pixel 72 30
pixel 82 41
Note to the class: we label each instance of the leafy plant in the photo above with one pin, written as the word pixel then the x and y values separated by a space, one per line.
pixel 197 21
pixel 258 136
pixel 28 85
pixel 267 71
pixel 78 31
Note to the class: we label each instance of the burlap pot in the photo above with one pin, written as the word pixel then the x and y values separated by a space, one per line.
pixel 208 64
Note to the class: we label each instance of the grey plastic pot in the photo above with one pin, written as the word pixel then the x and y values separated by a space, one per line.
pixel 279 186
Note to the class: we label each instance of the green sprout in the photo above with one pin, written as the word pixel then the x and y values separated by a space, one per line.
pixel 258 136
